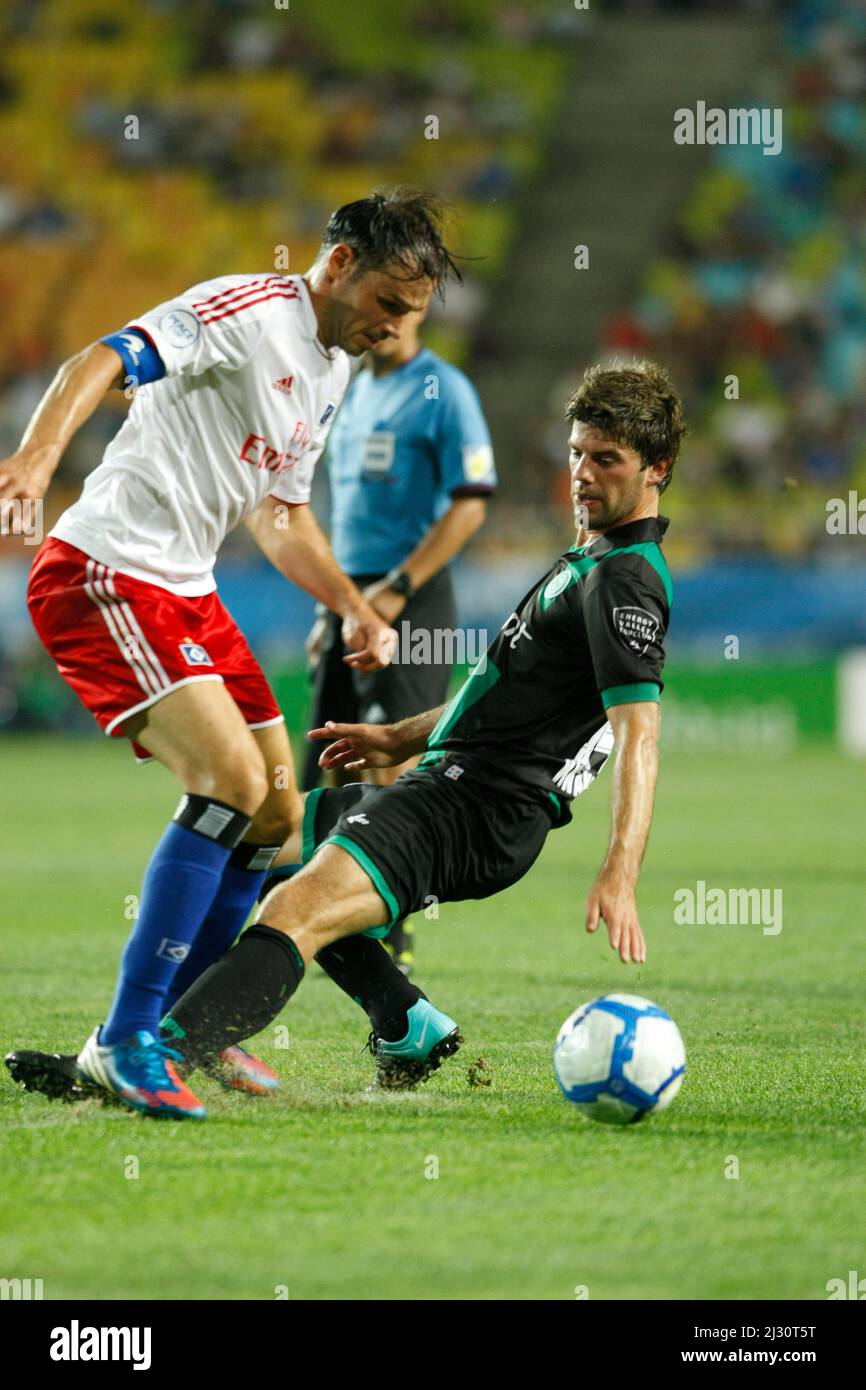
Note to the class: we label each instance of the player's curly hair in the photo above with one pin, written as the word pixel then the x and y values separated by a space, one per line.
pixel 396 226
pixel 635 404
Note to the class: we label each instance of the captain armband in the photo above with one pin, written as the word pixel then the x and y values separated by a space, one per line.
pixel 141 361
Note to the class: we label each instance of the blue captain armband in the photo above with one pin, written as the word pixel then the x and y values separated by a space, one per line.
pixel 141 361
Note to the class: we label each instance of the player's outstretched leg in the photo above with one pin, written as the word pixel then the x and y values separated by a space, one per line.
pixel 408 1044
pixel 329 900
pixel 410 1037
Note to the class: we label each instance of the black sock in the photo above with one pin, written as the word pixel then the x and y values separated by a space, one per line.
pixel 399 938
pixel 237 996
pixel 363 968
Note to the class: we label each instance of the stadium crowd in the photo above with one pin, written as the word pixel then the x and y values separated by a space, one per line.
pixel 761 279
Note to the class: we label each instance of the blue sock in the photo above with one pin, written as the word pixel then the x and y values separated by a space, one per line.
pixel 180 883
pixel 238 890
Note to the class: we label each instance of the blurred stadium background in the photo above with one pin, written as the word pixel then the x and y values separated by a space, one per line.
pixel 555 130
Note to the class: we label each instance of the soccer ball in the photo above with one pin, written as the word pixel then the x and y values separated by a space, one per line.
pixel 619 1058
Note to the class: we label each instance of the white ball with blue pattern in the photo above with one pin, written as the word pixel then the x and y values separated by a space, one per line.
pixel 619 1058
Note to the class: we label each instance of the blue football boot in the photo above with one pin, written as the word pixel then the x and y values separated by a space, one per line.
pixel 140 1072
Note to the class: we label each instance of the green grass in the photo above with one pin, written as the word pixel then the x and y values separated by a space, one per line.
pixel 323 1190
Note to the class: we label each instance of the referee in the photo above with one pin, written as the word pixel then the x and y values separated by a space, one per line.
pixel 410 465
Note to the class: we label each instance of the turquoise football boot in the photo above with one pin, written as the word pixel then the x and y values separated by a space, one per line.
pixel 403 1065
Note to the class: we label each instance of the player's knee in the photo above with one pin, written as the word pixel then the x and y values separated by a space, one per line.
pixel 241 783
pixel 249 786
pixel 274 824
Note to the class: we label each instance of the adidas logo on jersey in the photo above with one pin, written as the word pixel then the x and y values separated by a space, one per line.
pixel 284 384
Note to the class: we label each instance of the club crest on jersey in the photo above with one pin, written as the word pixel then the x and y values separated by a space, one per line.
pixel 557 584
pixel 328 413
pixel 284 384
pixel 454 771
pixel 194 654
pixel 636 627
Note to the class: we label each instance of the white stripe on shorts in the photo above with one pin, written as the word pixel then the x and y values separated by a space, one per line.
pixel 121 623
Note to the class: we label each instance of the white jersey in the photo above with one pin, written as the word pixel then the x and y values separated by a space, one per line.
pixel 243 412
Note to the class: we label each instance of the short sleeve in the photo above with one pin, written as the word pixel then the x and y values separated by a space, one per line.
pixel 296 484
pixel 466 466
pixel 219 323
pixel 626 612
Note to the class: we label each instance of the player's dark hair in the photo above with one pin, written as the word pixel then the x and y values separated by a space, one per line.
pixel 395 226
pixel 634 404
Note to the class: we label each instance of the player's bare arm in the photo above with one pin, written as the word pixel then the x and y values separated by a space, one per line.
pixel 358 746
pixel 302 553
pixel 612 896
pixel 72 397
pixel 445 539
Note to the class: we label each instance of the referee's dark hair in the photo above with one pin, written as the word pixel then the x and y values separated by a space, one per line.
pixel 635 404
pixel 395 226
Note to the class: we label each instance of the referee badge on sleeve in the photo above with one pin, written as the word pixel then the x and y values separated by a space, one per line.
pixel 477 462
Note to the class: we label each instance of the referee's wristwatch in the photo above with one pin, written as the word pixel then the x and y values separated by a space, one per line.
pixel 399 581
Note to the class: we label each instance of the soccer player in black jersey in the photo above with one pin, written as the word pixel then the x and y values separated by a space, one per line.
pixel 574 671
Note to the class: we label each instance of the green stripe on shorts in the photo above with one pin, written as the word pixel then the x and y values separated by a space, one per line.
pixel 377 877
pixel 308 825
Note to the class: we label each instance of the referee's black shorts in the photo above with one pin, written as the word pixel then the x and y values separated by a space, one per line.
pixel 437 835
pixel 398 691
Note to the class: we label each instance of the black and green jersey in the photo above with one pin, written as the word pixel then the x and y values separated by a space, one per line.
pixel 590 634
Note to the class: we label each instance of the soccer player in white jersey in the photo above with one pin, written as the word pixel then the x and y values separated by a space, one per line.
pixel 237 383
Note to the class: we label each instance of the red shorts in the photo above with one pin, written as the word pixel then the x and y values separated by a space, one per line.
pixel 122 644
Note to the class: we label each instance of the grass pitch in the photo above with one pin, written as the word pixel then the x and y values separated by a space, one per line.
pixel 323 1192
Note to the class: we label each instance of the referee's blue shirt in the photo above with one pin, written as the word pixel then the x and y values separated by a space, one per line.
pixel 402 446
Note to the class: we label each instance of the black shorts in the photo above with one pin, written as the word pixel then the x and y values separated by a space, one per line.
pixel 436 835
pixel 381 697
